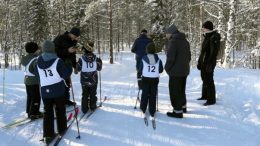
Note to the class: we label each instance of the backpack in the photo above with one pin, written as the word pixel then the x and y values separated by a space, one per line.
pixel 219 46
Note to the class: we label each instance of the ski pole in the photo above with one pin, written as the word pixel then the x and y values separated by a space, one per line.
pixel 137 98
pixel 76 116
pixel 100 102
pixel 157 101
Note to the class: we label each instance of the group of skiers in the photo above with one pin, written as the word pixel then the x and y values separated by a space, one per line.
pixel 47 76
pixel 178 57
pixel 48 70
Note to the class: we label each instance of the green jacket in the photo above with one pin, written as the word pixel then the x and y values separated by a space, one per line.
pixel 29 80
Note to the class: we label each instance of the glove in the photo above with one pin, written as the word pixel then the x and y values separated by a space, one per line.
pixel 68 82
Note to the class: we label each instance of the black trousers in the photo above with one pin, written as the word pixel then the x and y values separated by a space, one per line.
pixel 33 99
pixel 208 86
pixel 89 98
pixel 177 87
pixel 149 93
pixel 50 106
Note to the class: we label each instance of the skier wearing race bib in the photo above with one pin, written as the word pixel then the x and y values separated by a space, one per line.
pixel 88 65
pixel 52 75
pixel 150 68
pixel 31 82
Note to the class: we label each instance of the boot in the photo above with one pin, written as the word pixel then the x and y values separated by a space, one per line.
pixel 175 115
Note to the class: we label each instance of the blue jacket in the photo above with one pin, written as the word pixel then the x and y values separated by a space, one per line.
pixel 55 90
pixel 146 59
pixel 139 46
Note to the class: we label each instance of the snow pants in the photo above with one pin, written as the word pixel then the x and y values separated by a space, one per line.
pixel 149 93
pixel 52 105
pixel 33 100
pixel 89 98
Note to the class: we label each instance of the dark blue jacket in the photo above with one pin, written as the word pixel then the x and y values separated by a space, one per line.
pixel 55 90
pixel 146 59
pixel 89 78
pixel 139 46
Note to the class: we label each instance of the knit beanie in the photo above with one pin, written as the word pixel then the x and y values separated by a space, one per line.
pixel 75 31
pixel 208 25
pixel 172 29
pixel 150 48
pixel 48 47
pixel 31 47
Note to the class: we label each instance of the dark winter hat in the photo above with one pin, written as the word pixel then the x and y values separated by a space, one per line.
pixel 208 25
pixel 88 45
pixel 31 47
pixel 172 29
pixel 75 31
pixel 48 47
pixel 150 48
pixel 144 31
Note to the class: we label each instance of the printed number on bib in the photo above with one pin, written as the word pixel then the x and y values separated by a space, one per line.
pixel 151 68
pixel 48 72
pixel 90 64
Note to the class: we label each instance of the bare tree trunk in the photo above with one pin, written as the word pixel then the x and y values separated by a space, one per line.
pixel 111 32
pixel 230 33
pixel 122 35
pixel 98 36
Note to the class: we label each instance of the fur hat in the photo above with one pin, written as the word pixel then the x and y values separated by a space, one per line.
pixel 31 47
pixel 171 29
pixel 208 25
pixel 75 31
pixel 88 45
pixel 150 48
pixel 48 47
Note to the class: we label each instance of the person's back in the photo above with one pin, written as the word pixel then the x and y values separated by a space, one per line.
pixel 31 81
pixel 139 46
pixel 139 49
pixel 52 74
pixel 88 65
pixel 150 68
pixel 178 65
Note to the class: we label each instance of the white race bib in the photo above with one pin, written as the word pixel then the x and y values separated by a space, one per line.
pixel 88 66
pixel 49 76
pixel 151 71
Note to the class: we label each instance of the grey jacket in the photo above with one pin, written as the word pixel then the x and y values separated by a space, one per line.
pixel 178 56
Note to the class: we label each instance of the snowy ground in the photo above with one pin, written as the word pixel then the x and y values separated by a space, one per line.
pixel 233 121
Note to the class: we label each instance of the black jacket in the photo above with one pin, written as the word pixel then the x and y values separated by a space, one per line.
pixel 209 50
pixel 62 44
pixel 178 56
pixel 89 78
